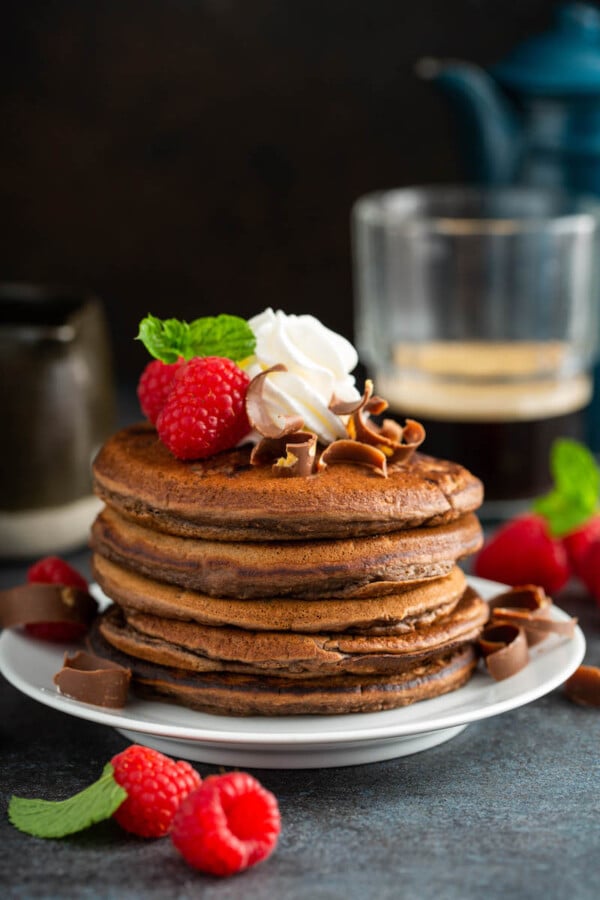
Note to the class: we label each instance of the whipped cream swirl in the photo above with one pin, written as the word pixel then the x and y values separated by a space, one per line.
pixel 318 363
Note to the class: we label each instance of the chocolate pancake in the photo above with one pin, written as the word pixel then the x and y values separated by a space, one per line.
pixel 385 614
pixel 227 693
pixel 224 498
pixel 204 648
pixel 333 568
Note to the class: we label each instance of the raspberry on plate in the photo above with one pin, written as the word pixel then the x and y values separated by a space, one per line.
pixel 155 385
pixel 54 570
pixel 230 823
pixel 155 786
pixel 205 411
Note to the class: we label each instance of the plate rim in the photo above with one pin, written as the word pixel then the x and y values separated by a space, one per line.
pixel 208 734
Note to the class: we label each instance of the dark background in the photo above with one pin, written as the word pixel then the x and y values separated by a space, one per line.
pixel 190 157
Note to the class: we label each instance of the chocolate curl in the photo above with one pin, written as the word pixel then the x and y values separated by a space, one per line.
pixel 294 454
pixel 256 409
pixel 392 430
pixel 396 443
pixel 94 680
pixel 347 451
pixel 504 648
pixel 583 687
pixel 536 625
pixel 367 403
pixel 29 604
pixel 528 607
pixel 413 435
pixel 523 596
pixel 346 407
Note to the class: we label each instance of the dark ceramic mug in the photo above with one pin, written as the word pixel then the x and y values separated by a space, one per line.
pixel 56 408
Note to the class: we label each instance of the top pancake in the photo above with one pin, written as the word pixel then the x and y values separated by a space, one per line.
pixel 224 498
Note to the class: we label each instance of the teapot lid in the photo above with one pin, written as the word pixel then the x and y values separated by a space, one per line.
pixel 565 59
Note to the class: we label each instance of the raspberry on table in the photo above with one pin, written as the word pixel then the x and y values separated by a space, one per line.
pixel 589 570
pixel 578 542
pixel 524 552
pixel 228 824
pixel 155 385
pixel 155 785
pixel 205 411
pixel 54 570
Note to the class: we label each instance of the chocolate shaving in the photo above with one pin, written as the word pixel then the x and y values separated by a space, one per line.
pixel 413 435
pixel 523 596
pixel 536 625
pixel 367 444
pixel 29 604
pixel 396 442
pixel 256 409
pixel 504 648
pixel 344 407
pixel 368 404
pixel 94 680
pixel 290 455
pixel 528 607
pixel 347 451
pixel 370 445
pixel 392 430
pixel 583 687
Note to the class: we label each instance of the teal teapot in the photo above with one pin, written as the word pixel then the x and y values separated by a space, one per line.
pixel 534 118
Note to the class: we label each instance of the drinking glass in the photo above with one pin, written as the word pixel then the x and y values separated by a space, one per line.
pixel 56 408
pixel 476 312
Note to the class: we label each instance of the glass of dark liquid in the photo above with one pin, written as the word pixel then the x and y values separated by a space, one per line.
pixel 57 406
pixel 477 313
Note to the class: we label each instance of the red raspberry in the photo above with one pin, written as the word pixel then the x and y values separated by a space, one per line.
pixel 61 632
pixel 53 570
pixel 154 386
pixel 230 823
pixel 578 542
pixel 205 410
pixel 155 786
pixel 523 552
pixel 589 570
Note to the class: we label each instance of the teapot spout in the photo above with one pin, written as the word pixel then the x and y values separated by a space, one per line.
pixel 489 129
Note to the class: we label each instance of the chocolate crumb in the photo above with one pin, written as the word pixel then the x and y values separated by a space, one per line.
pixel 92 679
pixel 292 454
pixel 257 412
pixel 29 604
pixel 528 607
pixel 583 687
pixel 504 648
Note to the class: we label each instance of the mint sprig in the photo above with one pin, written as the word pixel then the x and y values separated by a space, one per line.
pixel 56 819
pixel 576 493
pixel 169 339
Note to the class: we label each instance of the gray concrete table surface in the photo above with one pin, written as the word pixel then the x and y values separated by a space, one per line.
pixel 508 808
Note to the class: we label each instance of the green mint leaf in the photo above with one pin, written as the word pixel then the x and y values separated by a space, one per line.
pixel 575 471
pixel 165 339
pixel 56 819
pixel 224 335
pixel 561 513
pixel 574 498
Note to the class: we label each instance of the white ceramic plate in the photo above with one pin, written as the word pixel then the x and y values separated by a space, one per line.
pixel 291 742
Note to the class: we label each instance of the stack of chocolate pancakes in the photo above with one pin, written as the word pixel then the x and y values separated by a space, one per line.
pixel 240 593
